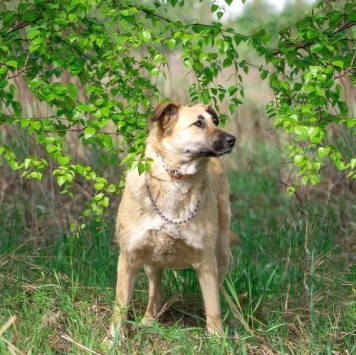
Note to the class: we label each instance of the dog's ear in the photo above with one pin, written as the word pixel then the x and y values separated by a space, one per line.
pixel 166 111
pixel 213 114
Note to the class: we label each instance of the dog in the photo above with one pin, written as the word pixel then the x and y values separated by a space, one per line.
pixel 177 213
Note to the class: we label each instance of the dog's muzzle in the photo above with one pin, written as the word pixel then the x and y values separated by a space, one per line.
pixel 230 140
pixel 224 145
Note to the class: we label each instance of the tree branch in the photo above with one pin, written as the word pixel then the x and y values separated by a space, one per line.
pixel 22 25
pixel 344 72
pixel 18 72
pixel 303 45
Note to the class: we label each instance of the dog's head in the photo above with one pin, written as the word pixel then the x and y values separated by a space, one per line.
pixel 191 130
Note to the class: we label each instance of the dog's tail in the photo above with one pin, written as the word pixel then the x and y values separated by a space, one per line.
pixel 234 239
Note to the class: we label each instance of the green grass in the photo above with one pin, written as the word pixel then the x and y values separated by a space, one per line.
pixel 293 278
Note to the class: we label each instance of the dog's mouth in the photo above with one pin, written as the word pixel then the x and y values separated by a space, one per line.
pixel 212 153
pixel 222 146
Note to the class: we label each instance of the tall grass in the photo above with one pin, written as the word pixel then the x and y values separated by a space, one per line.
pixel 293 277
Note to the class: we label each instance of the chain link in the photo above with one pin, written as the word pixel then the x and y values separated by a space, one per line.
pixel 194 213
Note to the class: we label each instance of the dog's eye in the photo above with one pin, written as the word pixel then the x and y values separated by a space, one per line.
pixel 199 123
pixel 215 121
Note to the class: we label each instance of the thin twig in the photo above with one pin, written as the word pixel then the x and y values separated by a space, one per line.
pixel 165 307
pixel 23 25
pixel 344 72
pixel 7 324
pixel 299 199
pixel 18 72
pixel 12 347
pixel 80 346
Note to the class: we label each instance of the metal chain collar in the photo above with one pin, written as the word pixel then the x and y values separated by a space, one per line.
pixel 194 213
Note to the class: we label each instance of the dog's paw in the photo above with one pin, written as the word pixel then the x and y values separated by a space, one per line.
pixel 110 342
pixel 147 321
pixel 106 344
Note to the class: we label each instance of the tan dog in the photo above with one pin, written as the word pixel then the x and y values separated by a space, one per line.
pixel 178 213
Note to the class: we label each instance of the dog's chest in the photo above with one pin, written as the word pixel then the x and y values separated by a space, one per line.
pixel 169 246
pixel 156 232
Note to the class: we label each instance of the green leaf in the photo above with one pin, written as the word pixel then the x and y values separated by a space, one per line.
pixel 133 10
pixel 353 163
pixel 111 188
pixel 340 165
pixel 60 180
pixel 99 186
pixel 72 91
pixel 35 175
pixel 171 43
pixel 298 160
pixel 125 13
pixel 220 14
pixel 99 196
pixel 227 62
pixel 105 111
pixel 89 132
pixel 322 151
pixel 312 33
pixel 35 83
pixel 154 71
pixel 11 63
pixel 316 48
pixel 214 8
pixel 313 131
pixel 314 70
pixel 188 62
pixel 157 58
pixel 72 17
pixel 51 148
pixel 33 33
pixel 36 125
pixel 146 36
pixel 338 63
pixel 141 168
pixel 63 160
pixel 24 122
pixel 351 122
pixel 264 74
pixel 86 107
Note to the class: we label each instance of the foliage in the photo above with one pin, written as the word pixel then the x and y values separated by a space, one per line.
pixel 307 63
pixel 115 52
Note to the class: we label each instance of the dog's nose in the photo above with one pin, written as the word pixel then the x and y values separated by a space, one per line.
pixel 230 140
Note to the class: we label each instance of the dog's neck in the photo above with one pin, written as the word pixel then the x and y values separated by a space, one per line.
pixel 174 174
pixel 179 169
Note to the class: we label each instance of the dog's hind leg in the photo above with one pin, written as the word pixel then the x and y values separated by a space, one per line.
pixel 154 275
pixel 126 277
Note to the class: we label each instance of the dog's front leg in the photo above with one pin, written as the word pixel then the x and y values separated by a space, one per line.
pixel 154 275
pixel 126 277
pixel 208 278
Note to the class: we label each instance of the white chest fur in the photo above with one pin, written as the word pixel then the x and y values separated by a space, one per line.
pixel 176 201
